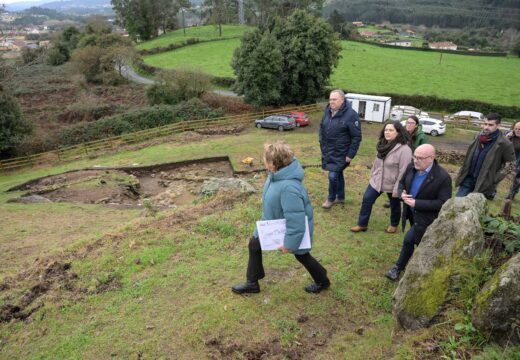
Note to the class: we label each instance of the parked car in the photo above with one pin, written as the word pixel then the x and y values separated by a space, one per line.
pixel 431 126
pixel 473 116
pixel 400 111
pixel 301 118
pixel 280 122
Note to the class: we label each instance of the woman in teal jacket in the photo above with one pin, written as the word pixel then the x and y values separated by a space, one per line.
pixel 284 197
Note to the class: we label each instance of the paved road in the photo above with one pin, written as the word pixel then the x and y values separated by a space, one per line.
pixel 131 75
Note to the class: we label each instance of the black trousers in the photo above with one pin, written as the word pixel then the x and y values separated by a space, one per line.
pixel 255 268
pixel 413 237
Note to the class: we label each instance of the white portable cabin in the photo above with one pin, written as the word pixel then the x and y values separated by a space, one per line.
pixel 370 107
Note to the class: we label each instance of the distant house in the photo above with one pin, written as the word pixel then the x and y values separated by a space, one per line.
pixel 443 45
pixel 367 33
pixel 404 43
pixel 358 23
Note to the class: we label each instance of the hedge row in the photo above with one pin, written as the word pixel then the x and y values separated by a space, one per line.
pixel 452 105
pixel 456 52
pixel 223 81
pixel 136 120
pixel 175 46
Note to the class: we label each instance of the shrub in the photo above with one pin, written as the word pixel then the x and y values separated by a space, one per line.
pixel 161 94
pixel 230 105
pixel 135 120
pixel 81 112
pixel 13 127
pixel 176 86
pixel 223 81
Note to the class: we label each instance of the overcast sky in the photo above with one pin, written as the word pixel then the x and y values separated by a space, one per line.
pixel 11 1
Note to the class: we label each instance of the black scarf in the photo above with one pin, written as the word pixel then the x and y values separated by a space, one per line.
pixel 384 147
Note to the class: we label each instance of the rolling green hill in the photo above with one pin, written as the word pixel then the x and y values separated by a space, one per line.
pixel 201 32
pixel 367 68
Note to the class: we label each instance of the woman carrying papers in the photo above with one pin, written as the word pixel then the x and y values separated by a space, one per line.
pixel 284 197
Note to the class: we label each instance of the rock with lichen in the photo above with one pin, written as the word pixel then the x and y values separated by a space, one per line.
pixel 440 263
pixel 496 312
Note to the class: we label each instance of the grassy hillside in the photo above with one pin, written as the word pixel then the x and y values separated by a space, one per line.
pixel 366 68
pixel 159 287
pixel 213 58
pixel 201 32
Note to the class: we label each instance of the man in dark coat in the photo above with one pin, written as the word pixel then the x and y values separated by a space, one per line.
pixel 424 188
pixel 488 160
pixel 340 137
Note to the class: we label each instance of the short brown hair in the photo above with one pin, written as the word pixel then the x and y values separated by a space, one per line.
pixel 278 153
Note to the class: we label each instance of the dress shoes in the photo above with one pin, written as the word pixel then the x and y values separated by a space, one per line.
pixel 391 229
pixel 249 287
pixel 327 204
pixel 393 273
pixel 358 228
pixel 315 288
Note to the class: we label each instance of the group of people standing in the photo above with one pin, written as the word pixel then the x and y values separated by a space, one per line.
pixel 404 168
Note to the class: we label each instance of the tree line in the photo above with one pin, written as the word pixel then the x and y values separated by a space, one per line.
pixel 144 18
pixel 446 13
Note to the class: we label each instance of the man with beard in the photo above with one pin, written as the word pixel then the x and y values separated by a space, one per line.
pixel 487 161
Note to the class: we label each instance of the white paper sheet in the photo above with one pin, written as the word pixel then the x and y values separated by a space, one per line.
pixel 272 232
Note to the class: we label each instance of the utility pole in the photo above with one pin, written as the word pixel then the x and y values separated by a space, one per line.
pixel 183 22
pixel 241 19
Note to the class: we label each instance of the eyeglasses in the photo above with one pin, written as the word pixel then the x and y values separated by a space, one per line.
pixel 410 123
pixel 418 158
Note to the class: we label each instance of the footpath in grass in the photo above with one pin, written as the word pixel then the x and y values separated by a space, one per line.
pixel 371 69
pixel 159 287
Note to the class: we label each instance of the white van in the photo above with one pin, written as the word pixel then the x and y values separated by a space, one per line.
pixel 465 115
pixel 403 111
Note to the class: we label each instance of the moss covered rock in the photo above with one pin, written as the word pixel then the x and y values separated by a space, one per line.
pixel 497 307
pixel 440 263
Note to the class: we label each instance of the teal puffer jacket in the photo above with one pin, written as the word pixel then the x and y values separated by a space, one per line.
pixel 285 197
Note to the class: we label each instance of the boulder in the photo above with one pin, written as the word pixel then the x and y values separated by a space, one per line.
pixel 213 185
pixel 496 312
pixel 432 276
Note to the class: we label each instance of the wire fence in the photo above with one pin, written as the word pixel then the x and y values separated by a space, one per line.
pixel 98 147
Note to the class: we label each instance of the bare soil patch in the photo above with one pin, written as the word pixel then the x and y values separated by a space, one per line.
pixel 161 186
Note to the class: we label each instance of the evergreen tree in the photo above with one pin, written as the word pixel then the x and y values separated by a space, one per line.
pixel 13 127
pixel 309 50
pixel 258 66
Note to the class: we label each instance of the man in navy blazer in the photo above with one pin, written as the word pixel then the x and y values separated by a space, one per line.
pixel 424 188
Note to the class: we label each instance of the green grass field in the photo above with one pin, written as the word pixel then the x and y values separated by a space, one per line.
pixel 370 69
pixel 175 302
pixel 213 57
pixel 201 32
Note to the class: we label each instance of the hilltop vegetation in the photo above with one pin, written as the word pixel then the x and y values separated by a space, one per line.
pixel 501 14
pixel 366 68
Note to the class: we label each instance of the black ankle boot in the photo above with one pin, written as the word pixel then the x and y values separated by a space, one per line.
pixel 315 288
pixel 250 287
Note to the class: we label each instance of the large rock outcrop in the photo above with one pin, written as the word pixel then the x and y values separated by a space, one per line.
pixel 497 307
pixel 213 185
pixel 433 274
